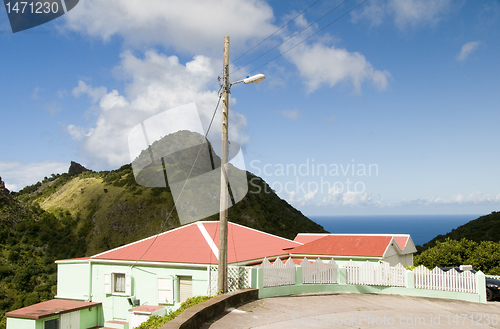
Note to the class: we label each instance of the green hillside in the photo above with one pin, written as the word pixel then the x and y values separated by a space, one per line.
pixel 82 213
pixel 484 228
pixel 85 212
pixel 31 239
pixel 119 211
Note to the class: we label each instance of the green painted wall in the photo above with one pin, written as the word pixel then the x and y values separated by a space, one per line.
pixel 15 323
pixel 144 286
pixel 70 273
pixel 88 319
pixel 91 318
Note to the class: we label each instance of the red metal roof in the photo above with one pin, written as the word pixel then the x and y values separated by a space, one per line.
pixel 188 244
pixel 401 239
pixel 50 308
pixel 306 237
pixel 345 245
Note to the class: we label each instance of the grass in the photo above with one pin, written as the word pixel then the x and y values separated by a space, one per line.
pixel 155 321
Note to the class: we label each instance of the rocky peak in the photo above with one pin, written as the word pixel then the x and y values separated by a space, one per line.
pixel 5 197
pixel 76 169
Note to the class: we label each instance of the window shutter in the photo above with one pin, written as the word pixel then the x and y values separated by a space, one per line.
pixel 165 290
pixel 128 285
pixel 185 288
pixel 107 283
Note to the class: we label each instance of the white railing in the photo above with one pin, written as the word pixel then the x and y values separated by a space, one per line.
pixel 278 274
pixel 373 274
pixel 451 280
pixel 319 272
pixel 496 277
pixel 238 277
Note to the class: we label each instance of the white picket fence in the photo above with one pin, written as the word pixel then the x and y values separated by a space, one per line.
pixel 373 274
pixel 278 274
pixel 451 280
pixel 367 273
pixel 319 272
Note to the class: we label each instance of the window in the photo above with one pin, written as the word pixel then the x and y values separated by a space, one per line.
pixel 117 284
pixel 165 291
pixel 51 324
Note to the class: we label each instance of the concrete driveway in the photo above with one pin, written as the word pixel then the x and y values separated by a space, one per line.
pixel 359 311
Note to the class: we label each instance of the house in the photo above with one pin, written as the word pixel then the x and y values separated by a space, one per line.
pixel 54 314
pixel 393 248
pixel 162 271
pixel 122 287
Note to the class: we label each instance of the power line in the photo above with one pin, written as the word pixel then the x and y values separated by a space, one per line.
pixel 309 36
pixel 281 28
pixel 308 26
pixel 185 182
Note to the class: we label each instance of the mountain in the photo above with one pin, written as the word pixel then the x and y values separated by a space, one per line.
pixel 484 228
pixel 116 210
pixel 82 212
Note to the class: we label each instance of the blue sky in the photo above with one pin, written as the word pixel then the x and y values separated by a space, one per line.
pixel 406 93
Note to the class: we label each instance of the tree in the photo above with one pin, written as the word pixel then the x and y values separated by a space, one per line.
pixel 483 256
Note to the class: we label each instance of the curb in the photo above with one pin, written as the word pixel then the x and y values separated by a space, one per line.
pixel 195 316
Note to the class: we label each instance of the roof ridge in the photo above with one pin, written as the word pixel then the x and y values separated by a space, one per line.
pixel 208 239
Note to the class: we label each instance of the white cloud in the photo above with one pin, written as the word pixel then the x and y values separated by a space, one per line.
pixel 78 133
pixel 290 114
pixel 95 94
pixel 193 26
pixel 52 108
pixel 473 199
pixel 337 197
pixel 303 201
pixel 323 65
pixel 467 49
pixel 405 13
pixel 18 175
pixel 157 83
pixel 36 93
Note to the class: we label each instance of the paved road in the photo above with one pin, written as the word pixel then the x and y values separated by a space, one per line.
pixel 359 311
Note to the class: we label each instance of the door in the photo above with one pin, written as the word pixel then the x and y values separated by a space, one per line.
pixel 70 320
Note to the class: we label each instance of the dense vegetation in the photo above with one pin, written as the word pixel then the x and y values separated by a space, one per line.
pixel 31 239
pixel 81 214
pixel 483 256
pixel 155 321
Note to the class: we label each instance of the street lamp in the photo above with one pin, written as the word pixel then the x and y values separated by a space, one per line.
pixel 223 214
pixel 253 79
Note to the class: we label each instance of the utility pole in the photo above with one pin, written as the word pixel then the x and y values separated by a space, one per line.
pixel 223 215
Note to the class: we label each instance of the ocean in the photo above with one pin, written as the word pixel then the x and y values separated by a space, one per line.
pixel 422 228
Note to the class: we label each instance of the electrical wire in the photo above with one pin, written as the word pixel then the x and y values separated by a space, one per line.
pixel 185 182
pixel 361 3
pixel 281 28
pixel 308 26
pixel 220 96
